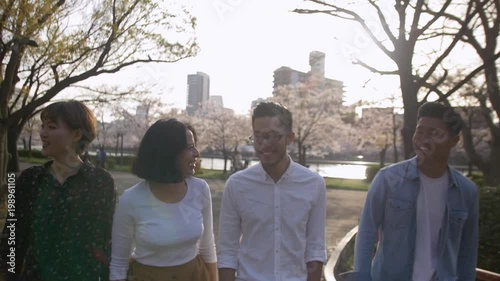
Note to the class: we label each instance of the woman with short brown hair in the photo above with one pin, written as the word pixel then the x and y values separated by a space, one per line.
pixel 64 208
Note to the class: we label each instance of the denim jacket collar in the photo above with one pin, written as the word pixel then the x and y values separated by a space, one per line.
pixel 413 172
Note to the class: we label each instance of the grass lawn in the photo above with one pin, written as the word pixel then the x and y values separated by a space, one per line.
pixel 350 184
pixel 33 160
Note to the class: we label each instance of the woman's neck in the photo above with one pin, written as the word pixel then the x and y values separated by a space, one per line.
pixel 169 192
pixel 64 169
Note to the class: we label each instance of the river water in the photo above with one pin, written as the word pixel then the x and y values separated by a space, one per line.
pixel 345 171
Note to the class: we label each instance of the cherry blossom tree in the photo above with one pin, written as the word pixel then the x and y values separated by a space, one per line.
pixel 419 40
pixel 221 129
pixel 48 46
pixel 317 116
pixel 379 129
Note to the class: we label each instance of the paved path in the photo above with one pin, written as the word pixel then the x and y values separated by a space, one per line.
pixel 343 206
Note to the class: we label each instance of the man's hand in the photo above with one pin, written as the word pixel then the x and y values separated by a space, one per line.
pixel 227 274
pixel 314 270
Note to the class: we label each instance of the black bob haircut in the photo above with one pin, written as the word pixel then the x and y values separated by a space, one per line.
pixel 157 158
pixel 273 109
pixel 438 110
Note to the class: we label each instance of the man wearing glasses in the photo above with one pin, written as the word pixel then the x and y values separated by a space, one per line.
pixel 272 216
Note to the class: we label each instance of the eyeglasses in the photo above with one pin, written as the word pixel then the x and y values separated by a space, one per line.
pixel 191 147
pixel 270 137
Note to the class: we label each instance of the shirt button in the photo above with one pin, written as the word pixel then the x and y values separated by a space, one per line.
pixel 277 228
pixel 276 207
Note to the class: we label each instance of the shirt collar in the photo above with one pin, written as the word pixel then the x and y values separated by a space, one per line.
pixel 413 172
pixel 85 170
pixel 265 177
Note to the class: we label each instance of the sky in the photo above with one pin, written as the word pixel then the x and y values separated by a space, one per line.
pixel 243 41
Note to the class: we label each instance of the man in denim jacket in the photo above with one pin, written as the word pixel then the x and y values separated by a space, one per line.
pixel 421 214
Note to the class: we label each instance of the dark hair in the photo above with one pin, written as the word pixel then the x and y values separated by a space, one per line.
pixel 160 147
pixel 75 115
pixel 273 109
pixel 438 110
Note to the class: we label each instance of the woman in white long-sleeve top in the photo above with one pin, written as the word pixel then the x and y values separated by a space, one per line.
pixel 168 216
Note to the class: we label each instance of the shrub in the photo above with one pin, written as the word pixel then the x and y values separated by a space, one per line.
pixel 34 153
pixel 110 163
pixel 489 229
pixel 371 171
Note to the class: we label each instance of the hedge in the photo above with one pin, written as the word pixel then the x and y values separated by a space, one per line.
pixel 111 160
pixel 371 171
pixel 489 226
pixel 34 153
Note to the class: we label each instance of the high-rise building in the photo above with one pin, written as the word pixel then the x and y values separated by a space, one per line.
pixel 198 91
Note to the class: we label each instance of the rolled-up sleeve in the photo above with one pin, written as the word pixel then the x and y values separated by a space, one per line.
pixel 229 230
pixel 316 226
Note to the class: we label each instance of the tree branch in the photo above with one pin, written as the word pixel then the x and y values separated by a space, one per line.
pixel 448 50
pixel 337 11
pixel 471 75
pixel 416 32
pixel 374 70
pixel 383 22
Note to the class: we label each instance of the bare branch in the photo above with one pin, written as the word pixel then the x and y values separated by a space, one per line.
pixel 338 11
pixel 383 21
pixel 374 70
pixel 416 32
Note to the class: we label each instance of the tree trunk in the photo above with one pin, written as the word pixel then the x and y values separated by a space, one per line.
pixel 121 149
pixel 226 157
pixel 29 146
pixel 492 175
pixel 395 138
pixel 12 137
pixel 409 91
pixel 302 154
pixel 382 156
pixel 117 144
pixel 410 102
pixel 4 158
pixel 469 168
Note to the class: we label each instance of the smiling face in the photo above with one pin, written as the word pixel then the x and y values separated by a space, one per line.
pixel 58 140
pixel 187 158
pixel 270 141
pixel 432 140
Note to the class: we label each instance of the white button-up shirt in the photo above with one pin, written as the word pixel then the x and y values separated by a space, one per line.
pixel 268 230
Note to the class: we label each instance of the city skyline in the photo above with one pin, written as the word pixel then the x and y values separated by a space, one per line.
pixel 240 55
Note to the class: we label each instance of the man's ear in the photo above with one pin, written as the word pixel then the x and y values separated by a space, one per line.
pixel 290 138
pixel 454 139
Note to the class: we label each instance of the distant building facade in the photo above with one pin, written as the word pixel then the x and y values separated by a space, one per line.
pixel 198 91
pixel 287 76
pixel 216 100
pixel 256 102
